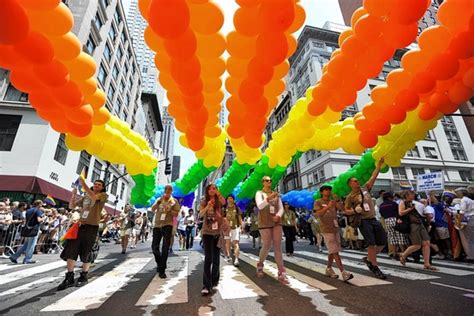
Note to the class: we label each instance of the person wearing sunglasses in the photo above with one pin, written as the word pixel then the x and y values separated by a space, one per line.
pixel 270 210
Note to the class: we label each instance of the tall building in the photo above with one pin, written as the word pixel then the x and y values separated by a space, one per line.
pixel 176 165
pixel 167 136
pixel 34 160
pixel 447 148
pixel 145 56
pixel 347 8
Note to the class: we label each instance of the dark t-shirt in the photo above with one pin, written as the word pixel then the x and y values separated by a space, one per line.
pixel 32 216
pixel 388 209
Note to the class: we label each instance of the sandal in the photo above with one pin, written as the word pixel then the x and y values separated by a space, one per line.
pixel 430 268
pixel 403 260
pixel 259 270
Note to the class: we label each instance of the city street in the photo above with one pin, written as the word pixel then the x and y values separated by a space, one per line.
pixel 128 285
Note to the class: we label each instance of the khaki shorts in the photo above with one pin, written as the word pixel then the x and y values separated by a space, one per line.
pixel 442 233
pixel 333 242
pixel 418 234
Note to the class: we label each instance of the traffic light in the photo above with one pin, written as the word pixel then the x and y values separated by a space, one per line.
pixel 168 169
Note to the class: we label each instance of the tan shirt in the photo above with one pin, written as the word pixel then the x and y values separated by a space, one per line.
pixel 288 218
pixel 166 211
pixel 212 222
pixel 328 221
pixel 354 199
pixel 91 211
pixel 268 209
pixel 233 217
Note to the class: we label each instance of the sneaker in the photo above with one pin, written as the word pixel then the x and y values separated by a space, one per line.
pixel 259 270
pixel 330 273
pixel 123 251
pixel 378 274
pixel 204 292
pixel 283 278
pixel 215 285
pixel 236 262
pixel 13 260
pixel 320 250
pixel 368 263
pixel 30 262
pixel 346 276
pixel 228 259
pixel 82 280
pixel 162 275
pixel 67 282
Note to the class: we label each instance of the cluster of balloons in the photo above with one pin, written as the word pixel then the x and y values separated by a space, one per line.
pixel 143 190
pixel 45 60
pixel 300 199
pixel 378 28
pixel 184 35
pixel 191 179
pixel 428 75
pixel 256 71
pixel 232 177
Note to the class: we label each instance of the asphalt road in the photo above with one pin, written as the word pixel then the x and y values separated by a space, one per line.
pixel 128 285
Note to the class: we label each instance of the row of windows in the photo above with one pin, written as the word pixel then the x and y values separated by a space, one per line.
pixel 400 173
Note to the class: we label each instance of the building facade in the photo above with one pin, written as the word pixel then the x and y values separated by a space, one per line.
pixel 167 136
pixel 34 160
pixel 447 148
pixel 176 165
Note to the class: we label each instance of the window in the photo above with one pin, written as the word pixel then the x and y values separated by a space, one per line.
pixel 413 152
pixel 417 171
pixel 98 21
pixel 430 152
pixel 84 162
pixel 108 52
pixel 13 94
pixel 61 150
pixel 8 128
pixel 310 179
pixel 117 17
pixel 90 45
pixel 105 3
pixel 319 176
pixel 102 74
pixel 97 171
pixel 119 53
pixel 122 190
pixel 458 154
pixel 113 190
pixel 112 34
pixel 110 93
pixel 122 86
pixel 349 111
pixel 115 71
pixel 435 170
pixel 399 173
pixel 466 175
pixel 312 155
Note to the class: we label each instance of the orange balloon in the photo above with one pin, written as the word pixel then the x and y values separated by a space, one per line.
pixel 79 130
pixel 232 85
pixel 407 100
pixel 353 46
pixel 378 8
pixel 144 7
pixel 292 45
pixel 395 116
pixel 468 78
pixel 80 115
pixel 209 46
pixel 163 62
pixel 169 18
pixel 35 48
pixel 101 116
pixel 177 111
pixel 235 130
pixel 81 68
pixel 459 93
pixel 240 46
pixel 274 88
pixel 237 67
pixel 193 88
pixel 399 36
pixel 253 140
pixel 153 41
pixel 433 39
pixel 206 18
pixel 398 79
pixel 380 127
pixel 68 95
pixel 246 21
pixel 459 45
pixel 193 103
pixel 53 74
pixel 214 98
pixel 50 114
pixel 371 112
pixel 60 125
pixel 279 45
pixel 174 97
pixel 9 58
pixel 300 17
pixel 66 47
pixel 97 99
pixel 185 71
pixel 40 5
pixel 41 99
pixel 383 94
pixel 167 81
pixel 427 112
pixel 212 67
pixel 423 82
pixel 235 106
pixel 443 66
pixel 415 61
pixel 182 47
pixel 276 16
pixel 360 12
pixel 368 139
pixel 56 22
pixel 369 28
pixel 88 86
pixel 25 80
pixel 257 109
pixel 250 91
pixel 13 23
pixel 259 71
pixel 363 124
pixel 407 11
pixel 455 15
pixel 281 70
pixel 345 35
pixel 212 131
pixel 181 125
pixel 316 108
pixel 210 85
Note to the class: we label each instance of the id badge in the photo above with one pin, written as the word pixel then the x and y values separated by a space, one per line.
pixel 272 209
pixel 85 214
pixel 163 217
pixel 325 205
pixel 215 226
pixel 336 224
pixel 366 207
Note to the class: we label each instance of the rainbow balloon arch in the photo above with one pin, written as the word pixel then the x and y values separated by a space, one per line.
pixel 46 61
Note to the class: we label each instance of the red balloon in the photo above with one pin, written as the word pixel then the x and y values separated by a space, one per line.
pixel 25 80
pixel 260 71
pixel 194 88
pixel 407 100
pixel 79 130
pixel 81 115
pixel 279 48
pixel 68 95
pixel 169 18
pixel 246 21
pixel 253 140
pixel 250 91
pixel 427 113
pixel 371 112
pixel 395 116
pixel 461 45
pixel 377 7
pixel 423 82
pixel 236 130
pixel 185 71
pixel 443 66
pixel 408 11
pixel 182 47
pixel 14 23
pixel 316 109
pixel 459 93
pixel 35 48
pixel 381 127
pixel 368 139
pixel 276 16
pixel 363 124
pixel 54 74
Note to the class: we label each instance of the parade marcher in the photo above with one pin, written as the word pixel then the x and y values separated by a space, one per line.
pixel 126 227
pixel 210 211
pixel 190 228
pixel 288 220
pixel 253 229
pixel 359 204
pixel 5 221
pixel 326 210
pixel 315 229
pixel 234 219
pixel 34 218
pixel 165 208
pixel 91 205
pixel 466 227
pixel 419 236
pixel 182 230
pixel 396 240
pixel 270 210
pixel 137 229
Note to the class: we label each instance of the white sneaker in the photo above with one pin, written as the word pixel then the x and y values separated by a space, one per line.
pixel 330 273
pixel 204 291
pixel 4 256
pixel 346 276
pixel 236 262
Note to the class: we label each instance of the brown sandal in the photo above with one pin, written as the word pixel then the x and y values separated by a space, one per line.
pixel 430 268
pixel 403 260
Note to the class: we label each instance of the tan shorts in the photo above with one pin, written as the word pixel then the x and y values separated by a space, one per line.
pixel 333 242
pixel 442 233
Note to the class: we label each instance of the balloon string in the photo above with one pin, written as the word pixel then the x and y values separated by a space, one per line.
pixel 395 142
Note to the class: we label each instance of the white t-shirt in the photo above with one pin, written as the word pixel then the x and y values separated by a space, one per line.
pixel 181 225
pixel 430 210
pixel 467 206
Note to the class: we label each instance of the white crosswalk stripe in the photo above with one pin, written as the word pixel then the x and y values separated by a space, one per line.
pixel 234 284
pixel 22 274
pixel 93 294
pixel 4 266
pixel 402 273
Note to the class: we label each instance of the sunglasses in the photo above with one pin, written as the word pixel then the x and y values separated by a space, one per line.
pixel 267 180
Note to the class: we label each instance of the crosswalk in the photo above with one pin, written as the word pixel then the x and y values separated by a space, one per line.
pixel 305 270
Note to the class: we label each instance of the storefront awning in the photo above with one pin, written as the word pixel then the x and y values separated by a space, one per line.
pixel 32 184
